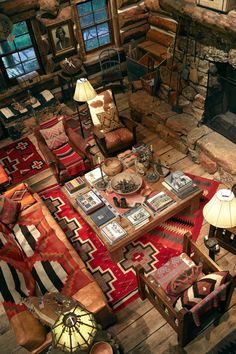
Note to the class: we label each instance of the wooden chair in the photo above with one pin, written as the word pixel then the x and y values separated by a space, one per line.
pixel 110 65
pixel 74 160
pixel 183 321
pixel 102 111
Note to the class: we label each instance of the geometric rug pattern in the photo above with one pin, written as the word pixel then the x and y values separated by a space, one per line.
pixel 21 160
pixel 152 250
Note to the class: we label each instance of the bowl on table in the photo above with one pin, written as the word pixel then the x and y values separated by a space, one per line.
pixel 126 183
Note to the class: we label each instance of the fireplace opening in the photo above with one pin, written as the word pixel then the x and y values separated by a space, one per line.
pixel 220 104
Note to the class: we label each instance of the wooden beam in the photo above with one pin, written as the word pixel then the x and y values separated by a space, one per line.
pixel 13 7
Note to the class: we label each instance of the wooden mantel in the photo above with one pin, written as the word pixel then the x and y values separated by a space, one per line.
pixel 225 23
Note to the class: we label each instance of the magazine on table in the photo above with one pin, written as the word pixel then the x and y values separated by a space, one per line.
pixel 159 201
pixel 89 202
pixel 178 181
pixel 94 176
pixel 113 232
pixel 137 215
pixel 102 216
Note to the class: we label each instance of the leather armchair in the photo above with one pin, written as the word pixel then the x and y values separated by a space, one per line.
pixel 79 147
pixel 110 141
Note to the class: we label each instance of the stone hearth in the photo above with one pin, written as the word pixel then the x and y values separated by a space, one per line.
pixel 214 152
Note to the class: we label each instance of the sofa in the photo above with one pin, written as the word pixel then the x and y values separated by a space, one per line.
pixel 35 259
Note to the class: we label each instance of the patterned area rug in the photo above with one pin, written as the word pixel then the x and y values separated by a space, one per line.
pixel 118 281
pixel 21 160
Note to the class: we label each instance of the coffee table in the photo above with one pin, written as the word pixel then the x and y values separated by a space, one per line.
pixel 116 250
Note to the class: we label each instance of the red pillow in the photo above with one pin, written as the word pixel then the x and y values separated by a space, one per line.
pixel 183 280
pixel 9 211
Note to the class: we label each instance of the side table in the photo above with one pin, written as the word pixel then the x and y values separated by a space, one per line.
pixel 212 245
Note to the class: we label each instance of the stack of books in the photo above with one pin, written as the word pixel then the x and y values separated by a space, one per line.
pixel 137 216
pixel 159 201
pixel 74 185
pixel 94 176
pixel 180 184
pixel 113 232
pixel 89 202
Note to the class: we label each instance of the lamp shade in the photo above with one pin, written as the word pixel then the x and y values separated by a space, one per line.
pixel 220 211
pixel 84 91
pixel 74 330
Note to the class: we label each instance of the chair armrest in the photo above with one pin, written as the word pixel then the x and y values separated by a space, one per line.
pixel 47 154
pixel 99 134
pixel 128 122
pixel 78 142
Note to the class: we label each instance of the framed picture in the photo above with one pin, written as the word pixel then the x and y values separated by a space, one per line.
pixel 62 38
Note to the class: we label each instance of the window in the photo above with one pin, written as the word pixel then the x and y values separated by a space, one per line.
pixel 18 57
pixel 95 23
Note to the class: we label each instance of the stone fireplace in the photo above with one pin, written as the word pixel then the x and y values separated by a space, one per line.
pixel 196 107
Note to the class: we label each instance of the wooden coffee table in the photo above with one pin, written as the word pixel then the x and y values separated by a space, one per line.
pixel 116 250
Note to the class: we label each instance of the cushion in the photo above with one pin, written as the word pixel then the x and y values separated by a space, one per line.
pixel 9 210
pixel 102 102
pixel 183 280
pixel 109 120
pixel 118 138
pixel 55 136
pixel 200 289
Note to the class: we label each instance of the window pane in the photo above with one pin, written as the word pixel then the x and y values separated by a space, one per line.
pixel 27 54
pixel 104 39
pixel 99 4
pixel 84 8
pixel 31 65
pixel 15 71
pixel 90 33
pixel 6 47
pixel 20 28
pixel 102 29
pixel 11 60
pixel 100 15
pixel 91 44
pixel 86 21
pixel 23 41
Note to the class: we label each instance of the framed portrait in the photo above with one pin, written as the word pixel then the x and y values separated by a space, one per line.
pixel 61 36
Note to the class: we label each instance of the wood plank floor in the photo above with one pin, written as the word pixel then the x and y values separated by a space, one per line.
pixel 140 328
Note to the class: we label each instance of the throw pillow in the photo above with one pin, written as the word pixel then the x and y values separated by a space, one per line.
pixel 183 280
pixel 109 120
pixel 9 211
pixel 200 289
pixel 55 136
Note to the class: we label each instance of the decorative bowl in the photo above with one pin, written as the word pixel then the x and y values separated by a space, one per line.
pixel 112 166
pixel 126 183
pixel 101 348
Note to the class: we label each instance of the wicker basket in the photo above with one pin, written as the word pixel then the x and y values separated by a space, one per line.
pixel 112 166
pixel 219 5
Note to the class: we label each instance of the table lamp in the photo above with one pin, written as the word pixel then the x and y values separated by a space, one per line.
pixel 74 330
pixel 84 92
pixel 220 211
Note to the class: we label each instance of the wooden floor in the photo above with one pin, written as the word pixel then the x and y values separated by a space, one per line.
pixel 140 328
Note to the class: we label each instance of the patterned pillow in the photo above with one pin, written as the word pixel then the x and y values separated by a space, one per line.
pixel 109 120
pixel 55 136
pixel 9 211
pixel 183 280
pixel 102 102
pixel 200 289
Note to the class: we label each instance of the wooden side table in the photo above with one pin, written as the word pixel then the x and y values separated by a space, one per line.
pixel 225 237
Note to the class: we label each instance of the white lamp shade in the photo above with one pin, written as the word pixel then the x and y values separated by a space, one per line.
pixel 220 211
pixel 84 91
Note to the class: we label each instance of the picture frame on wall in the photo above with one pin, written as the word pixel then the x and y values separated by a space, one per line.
pixel 62 39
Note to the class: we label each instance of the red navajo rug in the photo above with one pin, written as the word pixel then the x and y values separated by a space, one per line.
pixel 21 160
pixel 118 281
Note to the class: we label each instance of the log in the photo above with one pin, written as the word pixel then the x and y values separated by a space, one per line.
pixel 12 7
pixel 134 33
pixel 164 23
pixel 132 15
pixel 159 37
pixel 224 23
pixel 122 3
pixel 152 5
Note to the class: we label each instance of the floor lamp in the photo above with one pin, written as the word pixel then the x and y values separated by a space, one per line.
pixel 84 92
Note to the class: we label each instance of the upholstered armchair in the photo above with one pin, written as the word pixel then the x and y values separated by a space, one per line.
pixel 113 132
pixel 64 150
pixel 190 291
